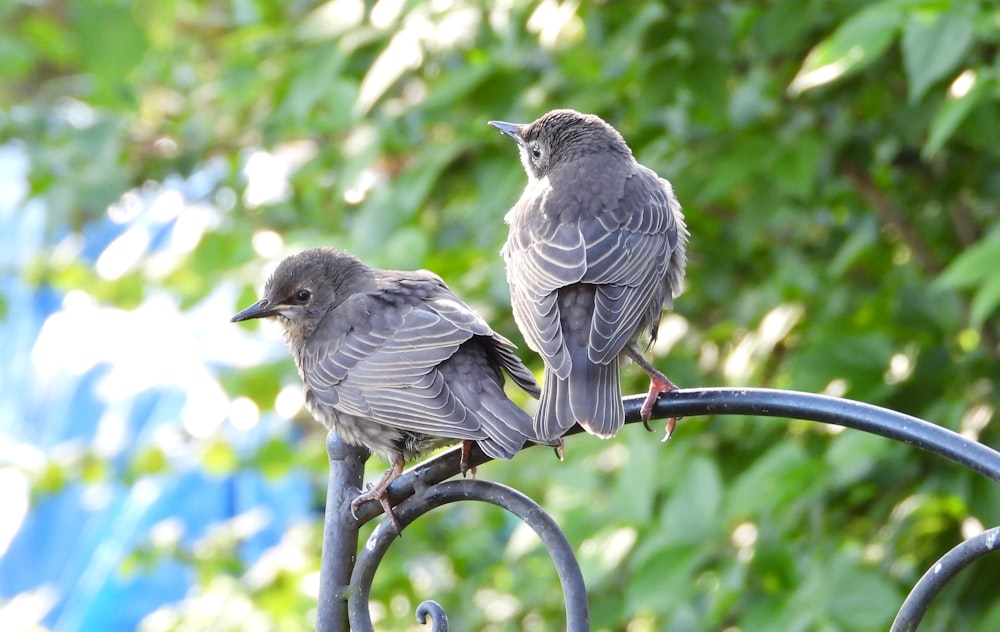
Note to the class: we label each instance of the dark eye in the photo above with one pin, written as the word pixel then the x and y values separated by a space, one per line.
pixel 536 151
pixel 303 296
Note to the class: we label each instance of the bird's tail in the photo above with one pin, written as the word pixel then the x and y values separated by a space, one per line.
pixel 590 395
pixel 507 427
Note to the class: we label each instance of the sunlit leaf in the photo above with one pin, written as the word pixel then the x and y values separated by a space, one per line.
pixel 853 46
pixel 933 44
pixel 219 458
pixel 965 93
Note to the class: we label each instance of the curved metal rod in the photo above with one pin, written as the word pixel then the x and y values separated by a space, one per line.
pixel 938 575
pixel 772 403
pixel 527 510
pixel 745 401
pixel 831 410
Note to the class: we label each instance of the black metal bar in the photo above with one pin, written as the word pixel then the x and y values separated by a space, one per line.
pixel 938 575
pixel 427 498
pixel 831 410
pixel 747 401
pixel 340 533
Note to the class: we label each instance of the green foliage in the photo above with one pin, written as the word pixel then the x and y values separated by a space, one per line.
pixel 838 166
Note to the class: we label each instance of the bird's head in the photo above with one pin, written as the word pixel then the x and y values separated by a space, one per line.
pixel 306 286
pixel 562 136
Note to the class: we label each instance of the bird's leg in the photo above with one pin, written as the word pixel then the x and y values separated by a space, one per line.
pixel 560 449
pixel 658 383
pixel 463 464
pixel 379 492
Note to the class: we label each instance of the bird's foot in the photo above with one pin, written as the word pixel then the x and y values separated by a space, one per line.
pixel 380 492
pixel 464 464
pixel 658 383
pixel 656 387
pixel 382 496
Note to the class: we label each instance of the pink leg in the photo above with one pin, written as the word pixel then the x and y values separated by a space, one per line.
pixel 658 383
pixel 379 492
pixel 463 465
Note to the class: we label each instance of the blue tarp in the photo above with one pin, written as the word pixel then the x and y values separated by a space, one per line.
pixel 73 541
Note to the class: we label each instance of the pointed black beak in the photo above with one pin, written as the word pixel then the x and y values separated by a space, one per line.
pixel 510 129
pixel 260 309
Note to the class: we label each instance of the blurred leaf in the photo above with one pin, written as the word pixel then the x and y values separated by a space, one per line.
pixel 853 46
pixel 110 44
pixel 985 302
pixel 274 458
pixel 93 469
pixel 975 268
pixel 966 91
pixel 51 480
pixel 149 461
pixel 860 599
pixel 797 167
pixel 692 513
pixel 973 265
pixel 854 455
pixel 662 581
pixel 50 39
pixel 933 44
pixel 218 458
pixel 775 480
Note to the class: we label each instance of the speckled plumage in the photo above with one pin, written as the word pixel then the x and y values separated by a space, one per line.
pixel 596 250
pixel 394 361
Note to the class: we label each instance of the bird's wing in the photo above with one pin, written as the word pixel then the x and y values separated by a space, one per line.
pixel 442 301
pixel 451 308
pixel 379 359
pixel 615 230
pixel 628 256
pixel 542 255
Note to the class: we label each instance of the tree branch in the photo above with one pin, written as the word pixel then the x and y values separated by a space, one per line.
pixel 891 216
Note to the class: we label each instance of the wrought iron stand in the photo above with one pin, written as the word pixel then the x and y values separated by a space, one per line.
pixel 346 576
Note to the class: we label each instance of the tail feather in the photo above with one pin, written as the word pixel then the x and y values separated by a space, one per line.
pixel 589 396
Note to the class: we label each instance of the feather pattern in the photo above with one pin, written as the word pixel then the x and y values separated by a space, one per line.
pixel 599 235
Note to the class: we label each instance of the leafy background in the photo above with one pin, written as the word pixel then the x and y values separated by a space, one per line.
pixel 840 171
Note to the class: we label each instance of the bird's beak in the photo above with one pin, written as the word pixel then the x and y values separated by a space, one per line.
pixel 260 309
pixel 510 129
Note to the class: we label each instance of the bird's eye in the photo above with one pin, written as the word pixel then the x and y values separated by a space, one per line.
pixel 536 151
pixel 303 296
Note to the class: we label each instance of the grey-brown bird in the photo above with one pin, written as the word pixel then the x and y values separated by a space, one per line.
pixel 394 361
pixel 596 251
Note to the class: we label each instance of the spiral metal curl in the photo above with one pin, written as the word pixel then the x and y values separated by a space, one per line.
pixel 432 609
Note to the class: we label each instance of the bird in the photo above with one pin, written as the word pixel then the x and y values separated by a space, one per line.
pixel 395 362
pixel 596 249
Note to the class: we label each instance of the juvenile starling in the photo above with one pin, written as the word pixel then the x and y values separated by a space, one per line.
pixel 596 250
pixel 394 361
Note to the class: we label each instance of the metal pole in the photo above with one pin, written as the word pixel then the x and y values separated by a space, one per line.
pixel 340 533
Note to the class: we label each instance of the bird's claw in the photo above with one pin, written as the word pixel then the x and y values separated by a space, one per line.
pixel 657 386
pixel 382 496
pixel 670 429
pixel 560 450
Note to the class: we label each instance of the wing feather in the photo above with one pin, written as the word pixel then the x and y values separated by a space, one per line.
pixel 385 357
